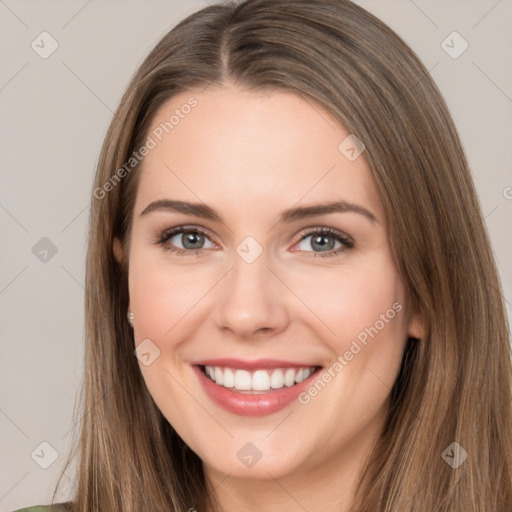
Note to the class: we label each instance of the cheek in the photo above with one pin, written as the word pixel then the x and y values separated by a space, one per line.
pixel 162 293
pixel 365 309
pixel 165 299
pixel 349 301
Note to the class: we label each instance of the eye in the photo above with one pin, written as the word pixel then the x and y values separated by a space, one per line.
pixel 323 241
pixel 184 240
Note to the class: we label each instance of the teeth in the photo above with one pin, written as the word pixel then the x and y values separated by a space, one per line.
pixel 228 379
pixel 259 380
pixel 277 379
pixel 218 375
pixel 243 380
pixel 289 377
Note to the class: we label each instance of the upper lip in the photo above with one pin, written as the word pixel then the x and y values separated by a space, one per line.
pixel 253 364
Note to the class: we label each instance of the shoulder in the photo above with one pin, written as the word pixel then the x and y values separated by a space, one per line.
pixel 57 507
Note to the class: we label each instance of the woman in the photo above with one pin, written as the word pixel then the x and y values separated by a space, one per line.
pixel 291 302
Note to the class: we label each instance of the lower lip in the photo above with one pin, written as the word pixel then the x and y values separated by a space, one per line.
pixel 245 404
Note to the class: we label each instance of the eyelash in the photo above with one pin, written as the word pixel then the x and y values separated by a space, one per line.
pixel 162 239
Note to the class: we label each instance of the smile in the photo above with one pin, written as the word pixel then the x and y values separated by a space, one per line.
pixel 253 388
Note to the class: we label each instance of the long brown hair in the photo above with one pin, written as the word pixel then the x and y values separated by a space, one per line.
pixel 454 386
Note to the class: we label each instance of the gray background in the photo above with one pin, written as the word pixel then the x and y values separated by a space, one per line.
pixel 54 114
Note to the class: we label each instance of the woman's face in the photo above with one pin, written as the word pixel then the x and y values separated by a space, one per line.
pixel 266 284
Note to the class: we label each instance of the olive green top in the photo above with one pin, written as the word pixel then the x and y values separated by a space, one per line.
pixel 57 507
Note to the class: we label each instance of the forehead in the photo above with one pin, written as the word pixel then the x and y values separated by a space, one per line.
pixel 251 151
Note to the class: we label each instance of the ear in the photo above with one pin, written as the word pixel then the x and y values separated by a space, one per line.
pixel 118 251
pixel 416 327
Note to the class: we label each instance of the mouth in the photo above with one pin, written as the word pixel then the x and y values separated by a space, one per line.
pixel 254 388
pixel 258 381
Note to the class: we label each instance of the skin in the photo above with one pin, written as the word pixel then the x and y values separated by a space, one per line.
pixel 251 155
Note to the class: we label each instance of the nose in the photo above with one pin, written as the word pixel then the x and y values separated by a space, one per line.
pixel 251 301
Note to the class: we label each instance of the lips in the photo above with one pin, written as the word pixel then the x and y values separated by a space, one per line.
pixel 254 388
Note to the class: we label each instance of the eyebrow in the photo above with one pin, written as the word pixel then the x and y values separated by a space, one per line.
pixel 293 214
